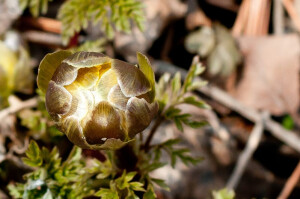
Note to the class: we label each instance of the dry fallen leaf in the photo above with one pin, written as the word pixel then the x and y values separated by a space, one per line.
pixel 270 79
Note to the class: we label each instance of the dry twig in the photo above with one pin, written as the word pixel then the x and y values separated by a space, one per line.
pixel 278 17
pixel 253 18
pixel 290 184
pixel 17 105
pixel 42 37
pixel 43 23
pixel 247 153
pixel 290 8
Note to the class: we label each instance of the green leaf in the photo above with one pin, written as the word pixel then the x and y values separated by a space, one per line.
pixel 107 194
pixel 16 190
pixel 129 176
pixel 91 46
pixel 33 155
pixel 150 194
pixel 175 154
pixel 154 166
pixel 123 181
pixel 137 186
pixel 161 183
pixel 184 157
pixel 170 142
pixel 176 84
pixel 195 102
pixel 172 112
pixel 178 124
pixel 288 122
pixel 146 68
pixel 35 6
pixel 199 69
pixel 74 155
pixel 196 124
pixel 192 73
pixel 223 194
pixel 116 13
pixel 197 85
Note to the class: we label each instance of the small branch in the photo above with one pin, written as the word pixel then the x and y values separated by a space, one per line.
pixel 42 37
pixel 278 17
pixel 288 137
pixel 43 23
pixel 291 183
pixel 291 10
pixel 241 19
pixel 246 155
pixel 16 105
pixel 158 121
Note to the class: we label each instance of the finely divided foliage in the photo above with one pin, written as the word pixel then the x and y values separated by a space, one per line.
pixel 35 6
pixel 75 15
pixel 113 14
pixel 170 94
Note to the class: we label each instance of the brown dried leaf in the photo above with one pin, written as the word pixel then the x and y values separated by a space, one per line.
pixel 270 79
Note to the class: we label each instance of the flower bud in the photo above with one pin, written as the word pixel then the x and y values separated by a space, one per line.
pixel 15 71
pixel 97 101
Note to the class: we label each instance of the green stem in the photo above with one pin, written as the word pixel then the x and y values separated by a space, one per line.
pixel 158 121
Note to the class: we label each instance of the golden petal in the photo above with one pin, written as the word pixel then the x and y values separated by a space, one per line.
pixel 139 114
pixel 8 61
pixel 117 98
pixel 87 59
pixel 48 66
pixel 87 77
pixel 3 82
pixel 131 80
pixel 58 99
pixel 23 77
pixel 104 124
pixel 82 104
pixel 106 82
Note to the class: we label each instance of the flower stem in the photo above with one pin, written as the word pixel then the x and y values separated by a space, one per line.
pixel 158 121
pixel 125 158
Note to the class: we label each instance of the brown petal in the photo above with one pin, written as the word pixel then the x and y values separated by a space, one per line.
pixel 104 124
pixel 112 144
pixel 131 80
pixel 139 114
pixel 87 59
pixel 65 74
pixel 117 98
pixel 71 127
pixel 48 66
pixel 58 99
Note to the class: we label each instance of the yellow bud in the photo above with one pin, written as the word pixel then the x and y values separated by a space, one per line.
pixel 97 101
pixel 15 72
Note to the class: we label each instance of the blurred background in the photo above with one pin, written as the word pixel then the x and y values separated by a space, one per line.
pixel 251 52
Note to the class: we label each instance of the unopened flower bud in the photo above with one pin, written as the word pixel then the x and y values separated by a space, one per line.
pixel 97 101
